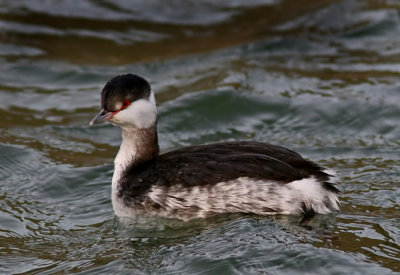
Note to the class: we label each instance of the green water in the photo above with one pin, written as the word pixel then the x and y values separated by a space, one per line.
pixel 320 77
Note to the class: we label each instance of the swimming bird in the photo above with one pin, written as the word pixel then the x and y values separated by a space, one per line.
pixel 203 180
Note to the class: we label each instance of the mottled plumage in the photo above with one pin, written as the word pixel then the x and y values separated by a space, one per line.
pixel 198 181
pixel 209 164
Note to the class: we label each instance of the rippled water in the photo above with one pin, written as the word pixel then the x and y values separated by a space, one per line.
pixel 320 77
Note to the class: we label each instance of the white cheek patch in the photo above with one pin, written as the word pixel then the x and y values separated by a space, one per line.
pixel 140 114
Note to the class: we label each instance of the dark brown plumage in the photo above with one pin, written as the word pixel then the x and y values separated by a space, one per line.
pixel 198 181
pixel 219 162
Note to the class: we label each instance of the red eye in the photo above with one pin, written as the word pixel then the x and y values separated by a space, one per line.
pixel 126 104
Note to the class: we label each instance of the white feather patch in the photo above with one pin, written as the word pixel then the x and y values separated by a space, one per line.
pixel 244 195
pixel 140 114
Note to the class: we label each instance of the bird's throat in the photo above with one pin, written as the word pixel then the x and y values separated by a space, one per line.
pixel 138 146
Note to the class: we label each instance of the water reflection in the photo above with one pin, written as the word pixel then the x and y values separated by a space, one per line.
pixel 319 77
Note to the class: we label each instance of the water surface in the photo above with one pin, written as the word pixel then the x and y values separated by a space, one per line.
pixel 319 77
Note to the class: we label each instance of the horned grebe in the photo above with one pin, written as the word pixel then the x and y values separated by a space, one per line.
pixel 199 181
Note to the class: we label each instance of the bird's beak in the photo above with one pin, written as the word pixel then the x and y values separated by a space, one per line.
pixel 101 117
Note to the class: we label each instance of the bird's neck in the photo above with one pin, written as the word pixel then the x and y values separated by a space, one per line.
pixel 138 146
